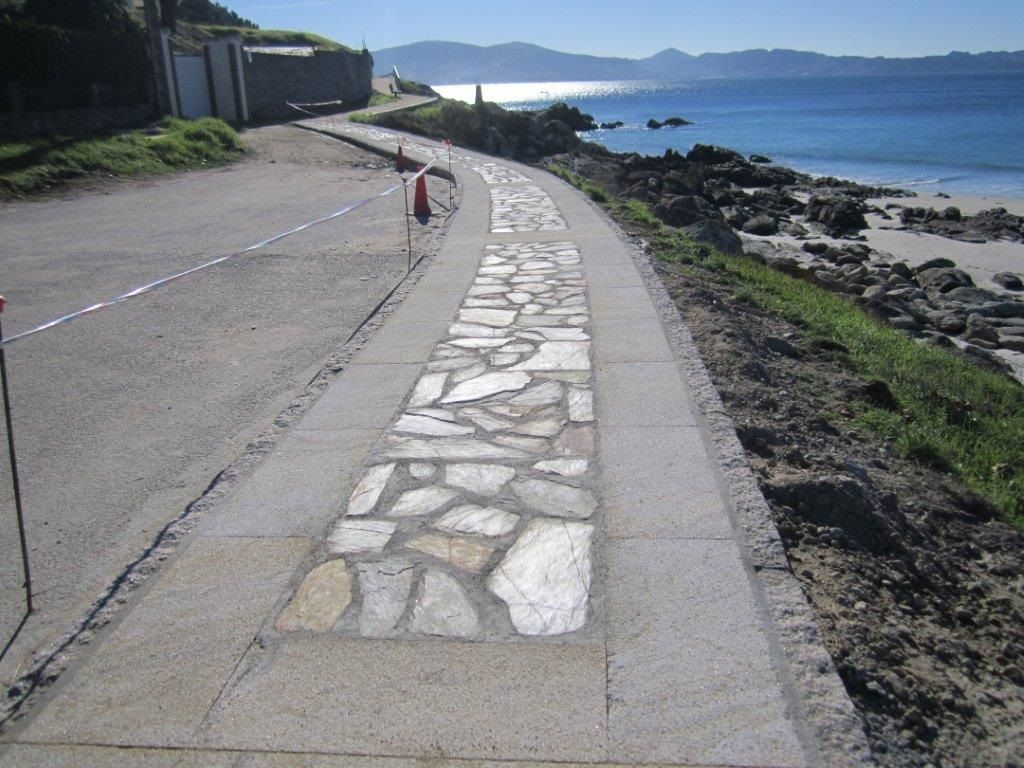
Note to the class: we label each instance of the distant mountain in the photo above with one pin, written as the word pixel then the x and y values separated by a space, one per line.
pixel 441 63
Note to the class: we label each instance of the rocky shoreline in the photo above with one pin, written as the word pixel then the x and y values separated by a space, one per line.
pixel 719 197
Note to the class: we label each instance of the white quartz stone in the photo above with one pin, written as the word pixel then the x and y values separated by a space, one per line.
pixel 351 536
pixel 443 608
pixel 471 329
pixel 561 334
pixel 481 479
pixel 367 491
pixel 581 404
pixel 502 359
pixel 483 521
pixel 486 385
pixel 485 420
pixel 555 498
pixel 428 389
pixel 545 577
pixel 451 363
pixel 385 588
pixel 541 394
pixel 479 343
pixel 494 317
pixel 422 501
pixel 427 425
pixel 421 471
pixel 434 413
pixel 564 467
pixel 558 356
pixel 463 374
pixel 539 428
pixel 532 444
pixel 402 447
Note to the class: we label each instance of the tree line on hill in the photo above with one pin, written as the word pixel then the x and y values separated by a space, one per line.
pixel 114 15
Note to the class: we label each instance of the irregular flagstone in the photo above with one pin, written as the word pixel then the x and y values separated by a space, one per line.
pixel 581 404
pixel 470 329
pixel 352 536
pixel 464 374
pixel 421 471
pixel 422 501
pixel 561 334
pixel 485 420
pixel 495 317
pixel 465 553
pixel 428 389
pixel 501 359
pixel 541 394
pixel 476 342
pixel 532 444
pixel 483 521
pixel 564 467
pixel 558 355
pixel 481 479
pixel 401 447
pixel 320 600
pixel 385 589
pixel 575 441
pixel 539 428
pixel 443 608
pixel 367 491
pixel 545 577
pixel 571 377
pixel 486 385
pixel 428 425
pixel 435 413
pixel 555 498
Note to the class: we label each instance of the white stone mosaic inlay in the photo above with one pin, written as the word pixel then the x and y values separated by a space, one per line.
pixel 475 518
pixel 525 209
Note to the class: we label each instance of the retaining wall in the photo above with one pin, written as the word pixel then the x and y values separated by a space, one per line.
pixel 272 80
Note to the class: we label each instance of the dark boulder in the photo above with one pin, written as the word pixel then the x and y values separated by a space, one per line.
pixel 571 116
pixel 1009 281
pixel 712 155
pixel 840 214
pixel 934 264
pixel 944 279
pixel 715 233
pixel 760 159
pixel 676 122
pixel 612 126
pixel 761 225
pixel 653 124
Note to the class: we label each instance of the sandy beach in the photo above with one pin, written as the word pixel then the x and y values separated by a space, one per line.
pixel 980 260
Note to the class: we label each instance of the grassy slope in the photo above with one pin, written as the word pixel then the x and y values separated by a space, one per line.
pixel 32 165
pixel 953 415
pixel 276 37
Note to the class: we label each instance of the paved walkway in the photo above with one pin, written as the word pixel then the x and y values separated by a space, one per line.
pixel 502 534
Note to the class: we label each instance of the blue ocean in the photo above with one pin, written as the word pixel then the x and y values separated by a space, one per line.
pixel 960 134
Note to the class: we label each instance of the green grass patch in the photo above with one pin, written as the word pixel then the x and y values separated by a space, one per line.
pixel 275 37
pixel 953 415
pixel 32 165
pixel 378 99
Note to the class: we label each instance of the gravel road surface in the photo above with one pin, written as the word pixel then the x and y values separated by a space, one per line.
pixel 125 417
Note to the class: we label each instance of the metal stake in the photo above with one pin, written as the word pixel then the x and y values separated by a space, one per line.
pixel 408 224
pixel 15 482
pixel 451 179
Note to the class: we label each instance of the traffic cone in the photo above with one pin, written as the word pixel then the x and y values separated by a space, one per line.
pixel 400 160
pixel 420 206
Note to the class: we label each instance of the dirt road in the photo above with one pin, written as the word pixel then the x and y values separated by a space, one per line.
pixel 125 417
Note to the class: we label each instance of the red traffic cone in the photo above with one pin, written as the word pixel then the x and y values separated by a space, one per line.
pixel 420 206
pixel 400 160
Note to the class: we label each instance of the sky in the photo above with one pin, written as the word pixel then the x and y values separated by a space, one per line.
pixel 640 28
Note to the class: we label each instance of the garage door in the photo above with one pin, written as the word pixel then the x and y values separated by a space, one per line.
pixel 193 87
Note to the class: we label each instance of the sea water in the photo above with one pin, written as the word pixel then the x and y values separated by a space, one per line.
pixel 958 134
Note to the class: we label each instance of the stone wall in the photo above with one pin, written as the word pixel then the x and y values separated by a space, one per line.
pixel 273 80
